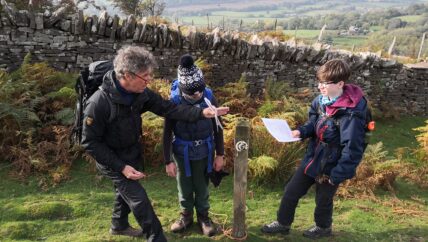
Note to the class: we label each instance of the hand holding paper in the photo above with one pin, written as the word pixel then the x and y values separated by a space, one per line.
pixel 279 129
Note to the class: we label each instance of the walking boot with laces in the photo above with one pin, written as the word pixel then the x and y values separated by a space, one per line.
pixel 130 231
pixel 316 232
pixel 275 227
pixel 207 226
pixel 182 223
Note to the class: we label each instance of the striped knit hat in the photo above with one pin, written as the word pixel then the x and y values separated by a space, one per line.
pixel 190 77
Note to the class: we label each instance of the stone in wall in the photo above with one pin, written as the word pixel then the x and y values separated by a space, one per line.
pixel 94 25
pixel 55 17
pixel 10 12
pixel 102 21
pixel 38 19
pixel 115 25
pixel 129 28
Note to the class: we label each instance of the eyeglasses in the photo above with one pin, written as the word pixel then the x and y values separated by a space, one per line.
pixel 195 96
pixel 142 78
pixel 324 84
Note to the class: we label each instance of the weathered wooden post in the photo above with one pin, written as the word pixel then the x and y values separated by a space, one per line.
pixel 240 177
pixel 223 23
pixel 391 47
pixel 321 33
pixel 421 47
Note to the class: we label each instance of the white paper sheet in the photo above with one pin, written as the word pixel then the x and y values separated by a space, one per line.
pixel 279 129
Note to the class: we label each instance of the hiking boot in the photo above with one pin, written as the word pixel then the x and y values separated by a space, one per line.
pixel 206 225
pixel 130 231
pixel 275 227
pixel 184 222
pixel 316 232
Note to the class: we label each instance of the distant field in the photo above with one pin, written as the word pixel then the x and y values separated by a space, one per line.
pixel 217 20
pixel 410 18
pixel 283 14
pixel 338 41
pixel 304 33
pixel 239 9
pixel 348 41
pixel 376 28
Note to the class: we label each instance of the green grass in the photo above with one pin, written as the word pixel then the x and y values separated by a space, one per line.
pixel 395 134
pixel 79 210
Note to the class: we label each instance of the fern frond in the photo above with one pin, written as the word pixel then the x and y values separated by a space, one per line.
pixel 65 116
pixel 21 115
pixel 375 153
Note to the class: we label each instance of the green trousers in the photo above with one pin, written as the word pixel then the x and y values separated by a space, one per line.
pixel 193 190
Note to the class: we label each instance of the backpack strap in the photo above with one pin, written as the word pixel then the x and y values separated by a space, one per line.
pixel 113 107
pixel 175 92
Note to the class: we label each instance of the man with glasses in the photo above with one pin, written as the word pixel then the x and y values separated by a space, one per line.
pixel 111 132
pixel 336 128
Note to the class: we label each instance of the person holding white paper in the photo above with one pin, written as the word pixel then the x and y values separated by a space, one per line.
pixel 336 129
pixel 280 130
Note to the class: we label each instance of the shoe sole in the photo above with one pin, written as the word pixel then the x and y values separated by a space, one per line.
pixel 112 232
pixel 318 237
pixel 279 232
pixel 209 235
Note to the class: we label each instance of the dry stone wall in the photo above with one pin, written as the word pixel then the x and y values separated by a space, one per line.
pixel 69 42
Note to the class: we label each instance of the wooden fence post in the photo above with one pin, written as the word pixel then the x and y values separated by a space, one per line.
pixel 391 47
pixel 422 46
pixel 240 177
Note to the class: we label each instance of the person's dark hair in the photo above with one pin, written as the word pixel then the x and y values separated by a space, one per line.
pixel 335 70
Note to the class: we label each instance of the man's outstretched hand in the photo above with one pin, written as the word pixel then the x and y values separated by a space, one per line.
pixel 132 174
pixel 210 113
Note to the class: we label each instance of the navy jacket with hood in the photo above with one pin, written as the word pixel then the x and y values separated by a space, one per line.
pixel 336 135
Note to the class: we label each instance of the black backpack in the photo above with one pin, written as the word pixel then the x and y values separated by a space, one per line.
pixel 89 81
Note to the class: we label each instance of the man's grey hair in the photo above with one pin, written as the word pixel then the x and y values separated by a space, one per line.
pixel 134 59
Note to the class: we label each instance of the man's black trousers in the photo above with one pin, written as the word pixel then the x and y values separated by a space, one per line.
pixel 296 188
pixel 131 196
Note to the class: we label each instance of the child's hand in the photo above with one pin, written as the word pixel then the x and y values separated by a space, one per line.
pixel 295 133
pixel 218 163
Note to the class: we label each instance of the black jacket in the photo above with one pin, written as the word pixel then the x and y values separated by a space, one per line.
pixel 111 128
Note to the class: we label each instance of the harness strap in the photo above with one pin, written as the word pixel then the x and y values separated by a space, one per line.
pixel 186 145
